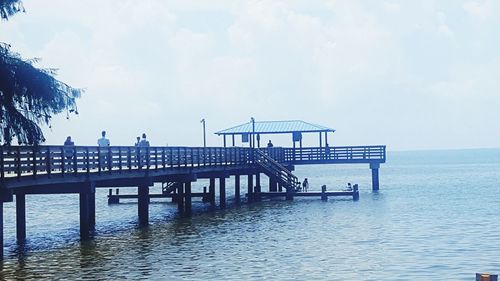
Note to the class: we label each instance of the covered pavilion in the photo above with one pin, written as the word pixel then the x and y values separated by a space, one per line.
pixel 250 132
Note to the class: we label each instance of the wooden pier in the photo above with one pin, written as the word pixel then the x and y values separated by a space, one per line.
pixel 32 170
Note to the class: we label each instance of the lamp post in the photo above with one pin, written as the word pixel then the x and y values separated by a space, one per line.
pixel 253 131
pixel 204 134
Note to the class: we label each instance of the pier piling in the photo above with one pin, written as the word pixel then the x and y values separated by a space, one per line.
pixel 188 198
pixel 250 188
pixel 143 204
pixel 92 209
pixel 222 192
pixel 84 215
pixel 211 190
pixel 374 166
pixel 237 189
pixel 21 218
pixel 180 198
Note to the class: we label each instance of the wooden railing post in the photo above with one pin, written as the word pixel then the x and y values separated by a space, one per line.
pixel 163 157
pixel 75 161
pixel 34 161
pixel 87 164
pixel 120 159
pixel 156 158
pixel 148 157
pixel 63 161
pixel 2 171
pixel 178 157
pixel 99 160
pixel 129 158
pixel 48 162
pixel 109 159
pixel 18 162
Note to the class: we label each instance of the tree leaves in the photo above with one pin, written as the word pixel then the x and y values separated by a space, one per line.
pixel 10 7
pixel 29 97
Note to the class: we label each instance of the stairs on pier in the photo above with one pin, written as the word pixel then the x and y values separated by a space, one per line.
pixel 274 169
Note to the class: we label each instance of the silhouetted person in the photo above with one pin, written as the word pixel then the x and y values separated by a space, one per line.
pixel 349 187
pixel 144 141
pixel 144 150
pixel 69 142
pixel 69 150
pixel 138 141
pixel 103 141
pixel 270 144
pixel 305 185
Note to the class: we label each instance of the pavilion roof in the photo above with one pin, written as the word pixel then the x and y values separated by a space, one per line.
pixel 275 127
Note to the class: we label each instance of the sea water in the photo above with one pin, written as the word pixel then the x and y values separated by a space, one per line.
pixel 436 217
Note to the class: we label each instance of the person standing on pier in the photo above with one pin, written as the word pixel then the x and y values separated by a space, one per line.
pixel 305 185
pixel 137 143
pixel 144 143
pixel 69 147
pixel 270 144
pixel 103 143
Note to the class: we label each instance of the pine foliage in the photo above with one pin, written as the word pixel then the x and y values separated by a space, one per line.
pixel 10 7
pixel 29 97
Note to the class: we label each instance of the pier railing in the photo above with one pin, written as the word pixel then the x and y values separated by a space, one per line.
pixel 336 154
pixel 18 161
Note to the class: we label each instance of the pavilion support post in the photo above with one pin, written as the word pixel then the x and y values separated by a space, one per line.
pixel 237 189
pixel 211 191
pixel 250 188
pixel 233 139
pixel 143 204
pixel 21 218
pixel 222 192
pixel 374 166
pixel 320 139
pixel 188 199
pixel 326 138
pixel 224 140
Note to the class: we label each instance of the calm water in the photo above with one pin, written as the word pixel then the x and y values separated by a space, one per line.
pixel 437 216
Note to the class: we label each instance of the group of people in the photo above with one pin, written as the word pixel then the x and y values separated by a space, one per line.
pixel 104 142
pixel 304 187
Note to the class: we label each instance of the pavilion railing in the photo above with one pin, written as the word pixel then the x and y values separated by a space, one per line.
pixel 340 154
pixel 18 161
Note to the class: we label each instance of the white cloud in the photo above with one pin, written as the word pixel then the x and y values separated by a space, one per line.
pixel 359 66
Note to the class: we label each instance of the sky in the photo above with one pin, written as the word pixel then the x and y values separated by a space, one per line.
pixel 407 74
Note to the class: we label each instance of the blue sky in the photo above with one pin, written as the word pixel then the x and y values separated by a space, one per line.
pixel 409 74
